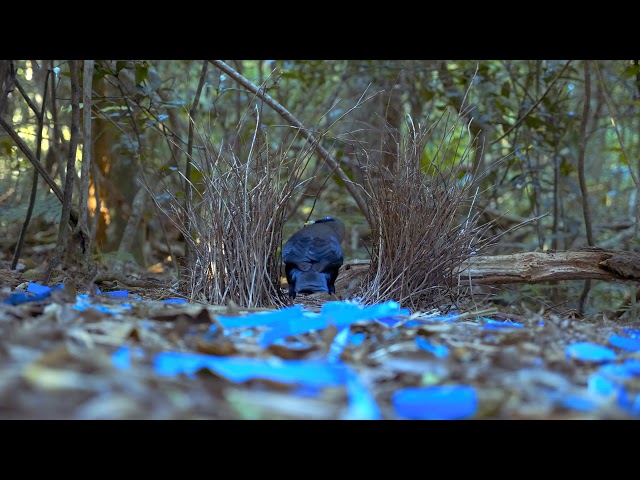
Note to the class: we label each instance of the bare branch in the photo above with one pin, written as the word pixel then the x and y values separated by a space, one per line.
pixel 307 134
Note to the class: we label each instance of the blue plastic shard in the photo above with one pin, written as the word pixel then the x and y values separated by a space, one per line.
pixel 16 298
pixel 600 385
pixel 35 292
pixel 121 358
pixel 345 313
pixel 292 327
pixel 498 325
pixel 632 366
pixel 362 405
pixel 589 352
pixel 576 402
pixel 615 371
pixel 117 293
pixel 337 345
pixel 632 332
pixel 445 402
pixel 175 300
pixel 439 351
pixel 626 343
pixel 240 369
pixel 357 338
pixel 294 313
pixel 37 288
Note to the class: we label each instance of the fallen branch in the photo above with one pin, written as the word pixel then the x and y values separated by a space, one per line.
pixel 529 267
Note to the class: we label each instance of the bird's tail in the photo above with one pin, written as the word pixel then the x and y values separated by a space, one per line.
pixel 310 282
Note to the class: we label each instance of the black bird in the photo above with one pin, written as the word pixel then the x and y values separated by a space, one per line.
pixel 313 256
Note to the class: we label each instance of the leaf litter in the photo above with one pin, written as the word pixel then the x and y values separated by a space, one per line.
pixel 116 355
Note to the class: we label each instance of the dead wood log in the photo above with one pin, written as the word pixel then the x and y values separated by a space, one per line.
pixel 530 267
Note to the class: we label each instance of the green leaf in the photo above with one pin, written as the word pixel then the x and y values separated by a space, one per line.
pixel 120 64
pixel 141 73
pixel 623 159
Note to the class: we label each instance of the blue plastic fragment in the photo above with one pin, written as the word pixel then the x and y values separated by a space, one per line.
pixel 626 343
pixel 292 327
pixel 175 300
pixel 35 292
pixel 16 298
pixel 445 402
pixel 439 351
pixel 337 345
pixel 632 332
pixel 294 313
pixel 362 405
pixel 388 322
pixel 121 358
pixel 413 323
pixel 37 288
pixel 589 352
pixel 631 366
pixel 308 374
pixel 615 371
pixel 357 338
pixel 345 313
pixel 579 403
pixel 627 403
pixel 600 385
pixel 240 369
pixel 117 293
pixel 498 325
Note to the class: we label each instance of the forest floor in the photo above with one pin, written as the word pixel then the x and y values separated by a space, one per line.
pixel 135 353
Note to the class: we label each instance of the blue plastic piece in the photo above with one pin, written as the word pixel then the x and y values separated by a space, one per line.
pixel 579 403
pixel 345 313
pixel 498 325
pixel 446 402
pixel 600 385
pixel 35 292
pixel 38 289
pixel 121 358
pixel 294 314
pixel 626 343
pixel 175 300
pixel 632 332
pixel 357 338
pixel 241 369
pixel 439 351
pixel 292 327
pixel 362 405
pixel 337 345
pixel 589 352
pixel 117 293
pixel 308 374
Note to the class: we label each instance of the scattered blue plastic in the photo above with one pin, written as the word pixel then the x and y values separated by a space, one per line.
pixel 289 314
pixel 499 325
pixel 589 352
pixel 35 292
pixel 632 332
pixel 296 321
pixel 579 403
pixel 175 300
pixel 439 351
pixel 445 402
pixel 121 358
pixel 337 345
pixel 85 302
pixel 40 289
pixel 117 293
pixel 357 338
pixel 626 343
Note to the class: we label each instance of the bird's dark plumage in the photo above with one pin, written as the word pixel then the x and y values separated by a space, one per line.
pixel 313 256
